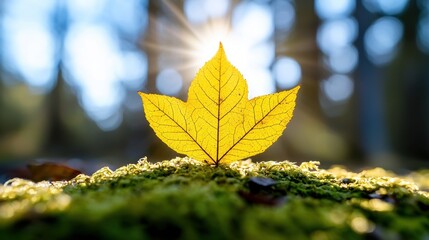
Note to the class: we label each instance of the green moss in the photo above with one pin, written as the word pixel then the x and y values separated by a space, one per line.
pixel 184 199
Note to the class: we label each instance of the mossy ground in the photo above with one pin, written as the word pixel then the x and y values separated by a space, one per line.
pixel 185 199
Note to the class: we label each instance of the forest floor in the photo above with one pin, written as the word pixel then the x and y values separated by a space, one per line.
pixel 185 199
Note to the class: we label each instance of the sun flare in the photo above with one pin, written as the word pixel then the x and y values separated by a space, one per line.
pixel 197 43
pixel 184 46
pixel 206 45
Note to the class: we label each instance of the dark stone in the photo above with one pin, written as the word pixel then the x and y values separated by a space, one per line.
pixel 346 180
pixel 257 184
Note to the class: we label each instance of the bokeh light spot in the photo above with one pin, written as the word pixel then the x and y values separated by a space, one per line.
pixel 382 38
pixel 198 11
pixel 133 69
pixel 330 9
pixel 253 21
pixel 287 72
pixel 334 34
pixel 386 6
pixel 338 88
pixel 128 16
pixel 194 11
pixel 169 82
pixel 284 15
pixel 261 83
pixel 93 59
pixel 27 42
pixel 30 49
pixel 262 55
pixel 110 123
pixel 362 225
pixel 343 60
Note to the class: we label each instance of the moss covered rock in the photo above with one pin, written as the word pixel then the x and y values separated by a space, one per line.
pixel 184 199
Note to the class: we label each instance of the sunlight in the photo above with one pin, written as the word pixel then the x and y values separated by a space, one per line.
pixel 208 45
pixel 252 59
pixel 245 34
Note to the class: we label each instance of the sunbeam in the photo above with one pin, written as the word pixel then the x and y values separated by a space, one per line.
pixel 196 44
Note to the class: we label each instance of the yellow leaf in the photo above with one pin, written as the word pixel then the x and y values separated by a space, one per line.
pixel 218 124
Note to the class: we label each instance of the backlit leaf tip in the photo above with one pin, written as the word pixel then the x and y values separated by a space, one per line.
pixel 221 47
pixel 218 124
pixel 220 54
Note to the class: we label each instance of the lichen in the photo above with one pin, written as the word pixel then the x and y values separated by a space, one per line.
pixel 185 199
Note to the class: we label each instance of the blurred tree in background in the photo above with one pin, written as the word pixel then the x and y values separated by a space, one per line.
pixel 70 72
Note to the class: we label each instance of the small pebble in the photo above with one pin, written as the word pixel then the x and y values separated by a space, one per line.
pixel 346 180
pixel 263 182
pixel 257 184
